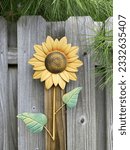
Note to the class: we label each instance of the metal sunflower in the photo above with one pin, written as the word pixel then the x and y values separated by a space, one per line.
pixel 55 62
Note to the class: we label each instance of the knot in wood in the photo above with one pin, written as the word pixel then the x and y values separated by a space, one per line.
pixel 82 120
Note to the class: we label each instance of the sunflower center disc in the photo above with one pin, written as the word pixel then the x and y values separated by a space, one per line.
pixel 55 62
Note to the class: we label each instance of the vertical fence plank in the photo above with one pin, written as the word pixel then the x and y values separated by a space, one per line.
pixel 81 121
pixel 31 30
pixel 4 143
pixel 109 99
pixel 100 102
pixel 100 116
pixel 109 118
pixel 56 30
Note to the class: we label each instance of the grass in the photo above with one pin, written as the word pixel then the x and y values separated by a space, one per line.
pixel 55 10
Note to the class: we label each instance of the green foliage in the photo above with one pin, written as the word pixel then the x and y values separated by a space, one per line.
pixel 70 98
pixel 54 10
pixel 34 121
pixel 103 48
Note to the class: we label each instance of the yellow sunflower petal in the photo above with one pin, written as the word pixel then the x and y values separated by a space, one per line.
pixel 62 83
pixel 49 43
pixel 62 41
pixel 33 60
pixel 73 51
pixel 45 74
pixel 39 50
pixel 39 68
pixel 72 59
pixel 78 62
pixel 55 78
pixel 70 69
pixel 75 64
pixel 63 47
pixel 55 44
pixel 67 49
pixel 62 44
pixel 38 64
pixel 64 76
pixel 45 49
pixel 72 76
pixel 50 40
pixel 37 75
pixel 49 82
pixel 73 48
pixel 39 57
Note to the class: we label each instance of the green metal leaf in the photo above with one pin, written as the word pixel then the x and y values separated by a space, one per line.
pixel 71 97
pixel 34 121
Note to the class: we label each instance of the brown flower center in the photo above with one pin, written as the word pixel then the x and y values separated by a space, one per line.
pixel 55 62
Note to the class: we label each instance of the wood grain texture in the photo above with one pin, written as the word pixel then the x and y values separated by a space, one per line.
pixel 81 121
pixel 109 98
pixel 109 118
pixel 4 144
pixel 31 30
pixel 56 30
pixel 100 115
pixel 100 103
pixel 60 140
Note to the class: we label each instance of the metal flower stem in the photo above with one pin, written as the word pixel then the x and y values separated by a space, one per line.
pixel 52 135
pixel 59 109
pixel 54 116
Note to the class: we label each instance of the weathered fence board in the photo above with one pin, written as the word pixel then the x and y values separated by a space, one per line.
pixel 31 30
pixel 4 124
pixel 100 115
pixel 81 121
pixel 109 100
pixel 100 104
pixel 56 30
pixel 109 118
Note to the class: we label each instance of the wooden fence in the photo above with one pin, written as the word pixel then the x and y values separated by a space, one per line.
pixel 89 125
